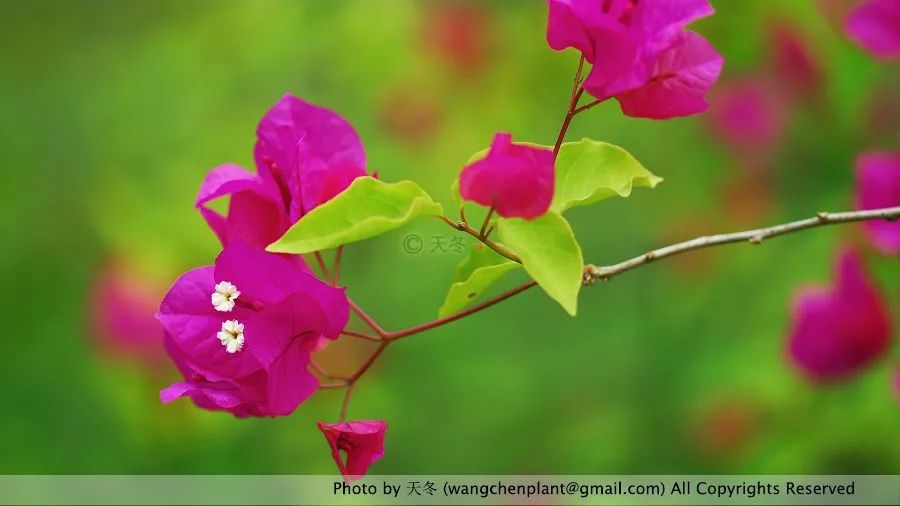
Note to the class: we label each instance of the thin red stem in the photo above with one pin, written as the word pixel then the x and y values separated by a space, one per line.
pixel 368 363
pixel 322 267
pixel 346 402
pixel 393 336
pixel 465 227
pixel 571 111
pixel 487 220
pixel 361 335
pixel 336 271
pixel 587 106
pixel 368 320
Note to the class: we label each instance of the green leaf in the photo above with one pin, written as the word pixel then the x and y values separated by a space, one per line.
pixel 588 171
pixel 549 253
pixel 480 269
pixel 367 208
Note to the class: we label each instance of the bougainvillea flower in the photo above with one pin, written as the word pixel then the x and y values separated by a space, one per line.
pixel 252 359
pixel 305 155
pixel 875 25
pixel 515 179
pixel 878 185
pixel 640 53
pixel 362 441
pixel 312 153
pixel 748 116
pixel 257 215
pixel 839 330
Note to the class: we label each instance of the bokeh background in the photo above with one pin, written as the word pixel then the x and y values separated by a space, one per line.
pixel 111 113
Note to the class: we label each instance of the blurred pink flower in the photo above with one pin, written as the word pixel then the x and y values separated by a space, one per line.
pixel 410 113
pixel 362 441
pixel 305 155
pixel 515 179
pixel 878 185
pixel 875 25
pixel 640 53
pixel 747 115
pixel 794 64
pixel 458 35
pixel 838 331
pixel 241 331
pixel 123 303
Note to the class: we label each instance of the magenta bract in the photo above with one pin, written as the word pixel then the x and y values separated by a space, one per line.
pixel 362 441
pixel 250 359
pixel 875 25
pixel 877 186
pixel 312 153
pixel 257 214
pixel 640 53
pixel 839 330
pixel 515 179
pixel 305 155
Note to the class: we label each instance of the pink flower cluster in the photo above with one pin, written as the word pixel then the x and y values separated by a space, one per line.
pixel 241 331
pixel 641 54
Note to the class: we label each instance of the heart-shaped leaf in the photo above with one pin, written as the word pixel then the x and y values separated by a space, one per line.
pixel 549 253
pixel 367 208
pixel 588 171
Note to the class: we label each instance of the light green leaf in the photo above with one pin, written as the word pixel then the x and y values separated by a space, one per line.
pixel 549 253
pixel 480 269
pixel 588 171
pixel 367 208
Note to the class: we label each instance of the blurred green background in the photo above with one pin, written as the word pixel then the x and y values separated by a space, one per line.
pixel 112 112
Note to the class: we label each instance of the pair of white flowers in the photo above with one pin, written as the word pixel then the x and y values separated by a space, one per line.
pixel 232 333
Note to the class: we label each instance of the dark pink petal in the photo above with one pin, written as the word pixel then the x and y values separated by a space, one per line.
pixel 654 16
pixel 187 315
pixel 875 25
pixel 877 186
pixel 262 277
pixel 569 24
pixel 245 397
pixel 225 180
pixel 256 213
pixel 361 440
pixel 838 331
pixel 304 317
pixel 289 381
pixel 516 180
pixel 681 77
pixel 300 144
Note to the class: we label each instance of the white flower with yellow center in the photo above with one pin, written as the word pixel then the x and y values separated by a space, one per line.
pixel 232 335
pixel 223 297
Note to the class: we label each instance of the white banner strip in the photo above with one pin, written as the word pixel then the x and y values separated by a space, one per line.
pixel 455 489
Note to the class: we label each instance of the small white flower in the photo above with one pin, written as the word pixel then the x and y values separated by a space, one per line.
pixel 223 297
pixel 232 335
